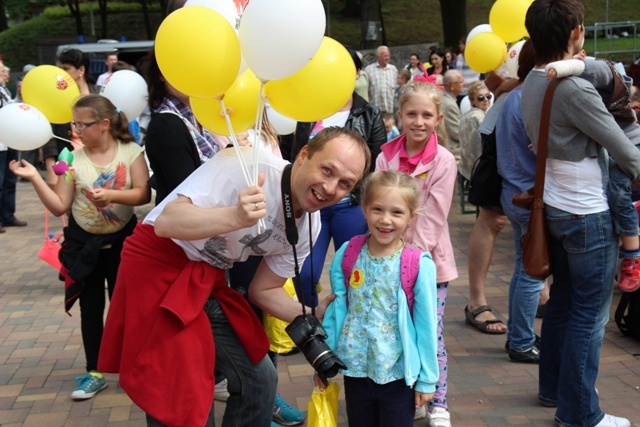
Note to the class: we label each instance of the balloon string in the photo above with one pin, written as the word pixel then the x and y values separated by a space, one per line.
pixel 243 164
pixel 63 139
pixel 259 114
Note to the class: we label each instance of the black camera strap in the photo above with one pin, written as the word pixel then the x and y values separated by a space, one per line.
pixel 291 232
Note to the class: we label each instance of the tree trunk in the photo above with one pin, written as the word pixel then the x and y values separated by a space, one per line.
pixel 147 20
pixel 3 17
pixel 102 5
pixel 372 26
pixel 351 9
pixel 454 21
pixel 74 7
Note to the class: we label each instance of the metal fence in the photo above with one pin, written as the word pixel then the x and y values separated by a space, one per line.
pixel 610 31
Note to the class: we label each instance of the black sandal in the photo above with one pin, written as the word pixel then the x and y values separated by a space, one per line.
pixel 470 319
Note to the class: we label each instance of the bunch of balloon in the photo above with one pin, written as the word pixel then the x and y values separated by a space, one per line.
pixel 240 103
pixel 319 89
pixel 52 91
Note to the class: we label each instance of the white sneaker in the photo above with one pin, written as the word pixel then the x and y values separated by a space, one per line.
pixel 611 421
pixel 439 417
pixel 221 393
pixel 421 413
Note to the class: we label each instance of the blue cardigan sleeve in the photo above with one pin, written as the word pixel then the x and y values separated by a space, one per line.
pixel 337 311
pixel 425 319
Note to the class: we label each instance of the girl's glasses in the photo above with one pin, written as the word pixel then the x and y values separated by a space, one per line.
pixel 482 97
pixel 82 126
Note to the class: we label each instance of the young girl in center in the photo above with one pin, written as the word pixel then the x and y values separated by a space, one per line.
pixel 420 152
pixel 109 178
pixel 383 322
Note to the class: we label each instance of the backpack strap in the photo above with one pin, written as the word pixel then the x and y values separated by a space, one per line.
pixel 409 268
pixel 409 265
pixel 619 315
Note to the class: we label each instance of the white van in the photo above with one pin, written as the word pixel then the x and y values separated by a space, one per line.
pixel 129 52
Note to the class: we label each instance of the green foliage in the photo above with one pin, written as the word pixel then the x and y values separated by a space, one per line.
pixel 20 43
pixel 407 22
pixel 112 7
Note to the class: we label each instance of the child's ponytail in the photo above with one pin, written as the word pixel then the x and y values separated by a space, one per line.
pixel 102 109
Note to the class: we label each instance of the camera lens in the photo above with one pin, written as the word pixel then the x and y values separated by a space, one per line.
pixel 308 335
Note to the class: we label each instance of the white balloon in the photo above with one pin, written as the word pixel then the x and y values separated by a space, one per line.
pixel 128 92
pixel 23 127
pixel 465 105
pixel 512 59
pixel 279 37
pixel 482 28
pixel 282 124
pixel 226 8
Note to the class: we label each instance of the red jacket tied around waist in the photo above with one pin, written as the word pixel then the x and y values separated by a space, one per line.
pixel 157 335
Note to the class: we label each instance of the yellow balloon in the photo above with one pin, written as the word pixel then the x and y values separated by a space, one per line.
pixel 198 51
pixel 485 52
pixel 240 101
pixel 52 91
pixel 507 19
pixel 319 89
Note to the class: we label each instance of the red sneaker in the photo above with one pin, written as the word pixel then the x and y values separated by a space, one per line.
pixel 630 275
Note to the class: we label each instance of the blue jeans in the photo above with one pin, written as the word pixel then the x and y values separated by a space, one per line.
pixel 342 222
pixel 625 216
pixel 584 250
pixel 378 405
pixel 252 388
pixel 7 187
pixel 524 292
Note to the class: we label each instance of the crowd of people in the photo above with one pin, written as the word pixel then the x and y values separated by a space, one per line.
pixel 189 282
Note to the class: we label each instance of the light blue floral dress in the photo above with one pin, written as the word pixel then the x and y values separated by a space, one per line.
pixel 369 343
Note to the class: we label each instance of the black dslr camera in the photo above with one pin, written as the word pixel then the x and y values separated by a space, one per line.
pixel 309 336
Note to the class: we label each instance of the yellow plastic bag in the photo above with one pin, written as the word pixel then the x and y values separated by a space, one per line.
pixel 279 340
pixel 323 407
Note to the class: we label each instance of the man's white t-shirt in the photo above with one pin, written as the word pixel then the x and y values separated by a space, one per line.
pixel 217 183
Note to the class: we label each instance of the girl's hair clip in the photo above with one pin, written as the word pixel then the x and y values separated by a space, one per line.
pixel 118 110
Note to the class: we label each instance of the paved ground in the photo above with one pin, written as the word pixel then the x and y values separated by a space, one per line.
pixel 41 349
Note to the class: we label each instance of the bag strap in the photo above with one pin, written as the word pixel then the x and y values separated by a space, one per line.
pixel 46 223
pixel 543 139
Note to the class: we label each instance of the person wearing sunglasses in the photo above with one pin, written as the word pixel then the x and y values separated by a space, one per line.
pixel 470 143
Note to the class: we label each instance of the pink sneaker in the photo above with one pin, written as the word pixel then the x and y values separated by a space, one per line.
pixel 630 275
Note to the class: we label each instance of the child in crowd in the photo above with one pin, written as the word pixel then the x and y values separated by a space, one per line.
pixel 615 92
pixel 390 126
pixel 420 152
pixel 382 323
pixel 109 178
pixel 403 78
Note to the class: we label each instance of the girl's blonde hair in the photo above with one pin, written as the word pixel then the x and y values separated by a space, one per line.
pixel 102 108
pixel 406 185
pixel 419 88
pixel 268 132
